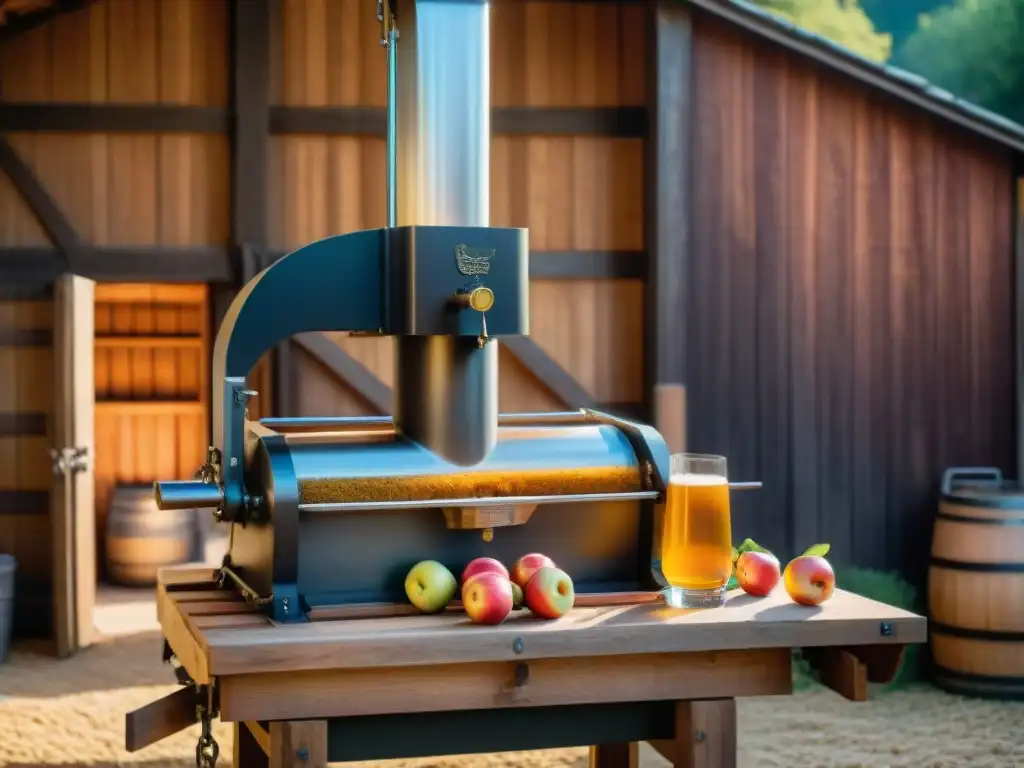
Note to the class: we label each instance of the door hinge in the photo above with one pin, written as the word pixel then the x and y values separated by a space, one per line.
pixel 69 460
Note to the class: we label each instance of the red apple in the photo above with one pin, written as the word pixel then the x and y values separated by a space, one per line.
pixel 483 565
pixel 527 565
pixel 757 573
pixel 487 598
pixel 517 595
pixel 809 580
pixel 549 593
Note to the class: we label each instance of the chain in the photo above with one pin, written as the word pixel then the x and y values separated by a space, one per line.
pixel 207 750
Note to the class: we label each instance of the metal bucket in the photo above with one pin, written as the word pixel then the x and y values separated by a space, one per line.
pixel 8 567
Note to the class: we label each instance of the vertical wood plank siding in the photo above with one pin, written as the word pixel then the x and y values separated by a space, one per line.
pixel 851 305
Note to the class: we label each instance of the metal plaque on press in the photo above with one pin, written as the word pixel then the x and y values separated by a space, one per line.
pixel 473 262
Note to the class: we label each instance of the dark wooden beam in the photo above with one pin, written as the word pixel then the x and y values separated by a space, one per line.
pixel 23 423
pixel 349 370
pixel 114 118
pixel 548 372
pixel 24 502
pixel 145 263
pixel 378 396
pixel 43 207
pixel 506 121
pixel 588 265
pixel 669 213
pixel 16 24
pixel 25 337
pixel 341 121
pixel 1018 216
pixel 219 264
pixel 575 265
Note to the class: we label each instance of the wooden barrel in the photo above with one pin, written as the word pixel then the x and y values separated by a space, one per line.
pixel 976 585
pixel 142 539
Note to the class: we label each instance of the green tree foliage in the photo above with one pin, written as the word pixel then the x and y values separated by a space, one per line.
pixel 974 49
pixel 843 22
pixel 899 17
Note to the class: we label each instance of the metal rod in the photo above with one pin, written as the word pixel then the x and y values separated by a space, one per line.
pixel 361 423
pixel 187 494
pixel 491 501
pixel 392 122
pixel 750 485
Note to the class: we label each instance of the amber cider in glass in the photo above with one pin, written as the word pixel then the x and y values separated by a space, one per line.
pixel 696 536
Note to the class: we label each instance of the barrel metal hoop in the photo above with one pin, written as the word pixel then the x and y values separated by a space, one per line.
pixel 958 565
pixel 994 501
pixel 971 677
pixel 966 633
pixel 953 517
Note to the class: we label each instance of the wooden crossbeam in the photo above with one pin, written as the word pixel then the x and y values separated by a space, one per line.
pixel 16 23
pixel 621 122
pixel 548 372
pixel 348 370
pixel 378 395
pixel 39 201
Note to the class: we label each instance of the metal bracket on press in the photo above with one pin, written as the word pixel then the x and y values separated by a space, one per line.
pixel 649 446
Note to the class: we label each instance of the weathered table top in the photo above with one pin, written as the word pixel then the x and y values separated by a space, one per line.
pixel 235 639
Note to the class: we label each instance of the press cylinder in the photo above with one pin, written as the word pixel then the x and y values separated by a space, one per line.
pixel 446 387
pixel 526 461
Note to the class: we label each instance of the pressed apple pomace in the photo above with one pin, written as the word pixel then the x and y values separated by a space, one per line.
pixel 469 485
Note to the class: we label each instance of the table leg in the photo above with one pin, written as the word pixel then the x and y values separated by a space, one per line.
pixel 615 755
pixel 249 752
pixel 298 744
pixel 705 735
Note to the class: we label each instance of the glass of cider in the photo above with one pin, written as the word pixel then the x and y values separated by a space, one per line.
pixel 696 534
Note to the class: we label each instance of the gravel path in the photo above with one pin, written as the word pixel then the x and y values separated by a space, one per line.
pixel 71 713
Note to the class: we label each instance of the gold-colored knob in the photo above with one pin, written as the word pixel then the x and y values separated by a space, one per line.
pixel 480 299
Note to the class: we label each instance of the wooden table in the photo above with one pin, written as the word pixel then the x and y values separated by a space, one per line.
pixel 367 689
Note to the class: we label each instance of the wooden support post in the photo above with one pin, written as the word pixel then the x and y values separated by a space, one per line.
pixel 705 735
pixel 298 744
pixel 1018 262
pixel 626 755
pixel 251 38
pixel 668 201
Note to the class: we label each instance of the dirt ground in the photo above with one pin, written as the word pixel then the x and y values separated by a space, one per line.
pixel 71 713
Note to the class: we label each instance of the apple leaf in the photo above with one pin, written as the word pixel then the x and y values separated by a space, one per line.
pixel 735 555
pixel 749 545
pixel 818 550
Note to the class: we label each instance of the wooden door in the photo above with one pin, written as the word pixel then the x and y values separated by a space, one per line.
pixel 72 510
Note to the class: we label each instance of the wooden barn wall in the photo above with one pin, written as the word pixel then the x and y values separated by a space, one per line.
pixel 574 193
pixel 26 428
pixel 851 307
pixel 128 189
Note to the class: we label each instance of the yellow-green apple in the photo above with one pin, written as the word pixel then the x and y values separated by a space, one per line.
pixel 517 595
pixel 757 572
pixel 484 565
pixel 430 586
pixel 549 593
pixel 527 565
pixel 809 580
pixel 487 598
